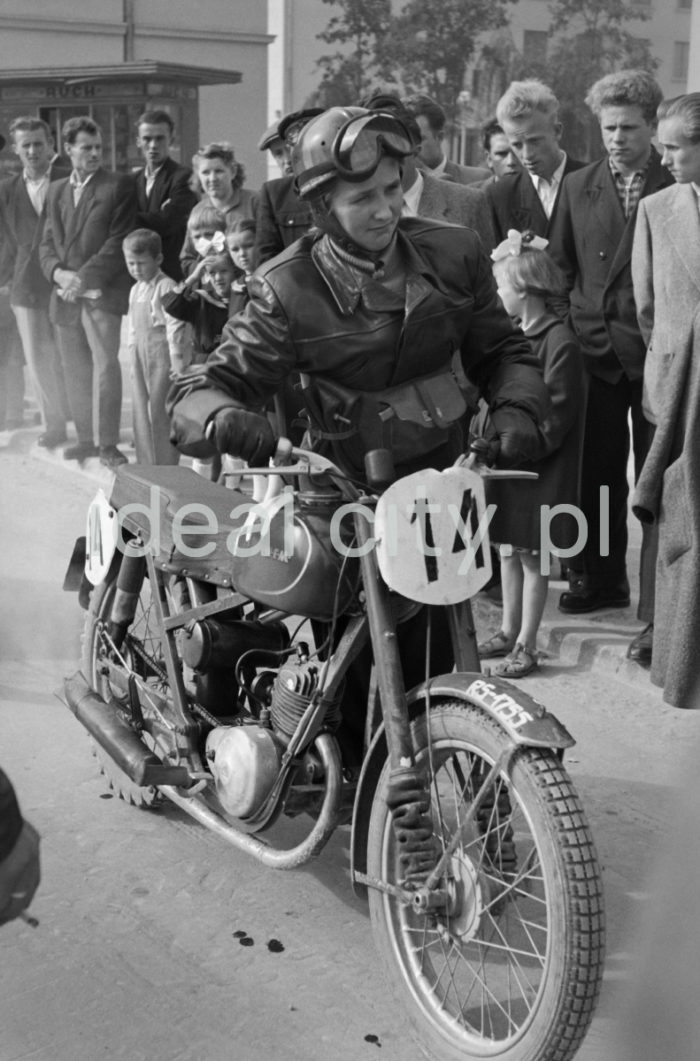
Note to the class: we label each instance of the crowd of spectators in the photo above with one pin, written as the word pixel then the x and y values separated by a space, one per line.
pixel 174 248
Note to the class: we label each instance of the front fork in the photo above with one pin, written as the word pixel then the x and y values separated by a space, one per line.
pixel 408 795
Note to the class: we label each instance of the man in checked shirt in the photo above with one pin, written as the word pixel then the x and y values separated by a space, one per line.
pixel 591 240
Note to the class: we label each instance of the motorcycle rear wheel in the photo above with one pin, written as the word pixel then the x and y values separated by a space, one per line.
pixel 141 652
pixel 513 972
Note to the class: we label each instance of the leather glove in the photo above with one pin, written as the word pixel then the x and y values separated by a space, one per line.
pixel 518 435
pixel 243 434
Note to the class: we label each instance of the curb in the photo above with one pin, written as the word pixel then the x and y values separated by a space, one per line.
pixel 597 641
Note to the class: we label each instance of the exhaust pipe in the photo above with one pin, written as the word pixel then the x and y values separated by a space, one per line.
pixel 104 722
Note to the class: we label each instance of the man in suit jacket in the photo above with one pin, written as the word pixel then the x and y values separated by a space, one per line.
pixel 442 201
pixel 431 120
pixel 591 240
pixel 87 217
pixel 163 191
pixel 22 212
pixel 528 197
pixel 428 196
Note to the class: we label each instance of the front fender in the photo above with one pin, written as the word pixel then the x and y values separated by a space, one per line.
pixel 523 718
pixel 526 722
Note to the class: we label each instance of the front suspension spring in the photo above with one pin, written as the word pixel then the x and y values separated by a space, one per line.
pixel 408 799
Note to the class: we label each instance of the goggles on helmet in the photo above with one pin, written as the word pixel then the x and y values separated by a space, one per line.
pixel 360 144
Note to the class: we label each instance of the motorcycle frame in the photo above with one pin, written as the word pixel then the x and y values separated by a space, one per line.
pixel 391 708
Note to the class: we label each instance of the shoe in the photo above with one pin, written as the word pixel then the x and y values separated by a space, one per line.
pixel 498 645
pixel 80 451
pixel 51 439
pixel 580 601
pixel 641 647
pixel 520 662
pixel 112 457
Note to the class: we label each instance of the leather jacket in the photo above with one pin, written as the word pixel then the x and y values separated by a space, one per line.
pixel 313 312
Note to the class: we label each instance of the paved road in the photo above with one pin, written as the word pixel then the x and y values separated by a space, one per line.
pixel 138 952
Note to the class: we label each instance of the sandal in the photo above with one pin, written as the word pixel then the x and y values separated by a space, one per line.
pixel 497 645
pixel 520 662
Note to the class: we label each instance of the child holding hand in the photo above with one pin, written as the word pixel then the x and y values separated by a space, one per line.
pixel 526 277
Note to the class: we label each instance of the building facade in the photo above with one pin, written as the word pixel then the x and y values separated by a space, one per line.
pixel 205 63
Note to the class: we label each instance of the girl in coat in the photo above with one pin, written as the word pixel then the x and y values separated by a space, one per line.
pixel 527 278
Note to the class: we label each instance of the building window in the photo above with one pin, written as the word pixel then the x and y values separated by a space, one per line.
pixel 681 51
pixel 535 46
pixel 685 5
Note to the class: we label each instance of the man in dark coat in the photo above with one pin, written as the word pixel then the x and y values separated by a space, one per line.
pixel 528 198
pixel 280 215
pixel 87 217
pixel 163 191
pixel 22 213
pixel 591 240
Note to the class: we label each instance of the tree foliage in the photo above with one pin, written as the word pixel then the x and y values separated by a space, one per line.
pixel 433 42
pixel 426 47
pixel 350 73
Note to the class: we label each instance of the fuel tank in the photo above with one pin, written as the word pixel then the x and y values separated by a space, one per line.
pixel 293 556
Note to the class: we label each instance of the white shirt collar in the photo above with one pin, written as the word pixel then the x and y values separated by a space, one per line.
pixel 411 196
pixel 36 180
pixel 75 180
pixel 555 180
pixel 547 189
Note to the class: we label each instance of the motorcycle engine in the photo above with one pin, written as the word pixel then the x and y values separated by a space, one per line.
pixel 245 761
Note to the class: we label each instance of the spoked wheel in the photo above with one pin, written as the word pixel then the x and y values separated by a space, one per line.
pixel 140 652
pixel 511 968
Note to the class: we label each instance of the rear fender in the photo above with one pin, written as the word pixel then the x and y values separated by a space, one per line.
pixel 527 723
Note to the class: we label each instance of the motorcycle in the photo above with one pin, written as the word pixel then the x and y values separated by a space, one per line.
pixel 226 639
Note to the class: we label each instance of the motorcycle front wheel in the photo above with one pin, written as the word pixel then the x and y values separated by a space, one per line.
pixel 511 968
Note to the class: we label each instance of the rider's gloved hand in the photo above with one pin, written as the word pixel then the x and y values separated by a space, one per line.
pixel 518 435
pixel 243 434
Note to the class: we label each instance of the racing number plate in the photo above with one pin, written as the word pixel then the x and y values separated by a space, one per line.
pixel 100 538
pixel 431 533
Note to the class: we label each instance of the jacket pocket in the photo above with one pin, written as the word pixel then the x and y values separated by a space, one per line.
pixel 675 525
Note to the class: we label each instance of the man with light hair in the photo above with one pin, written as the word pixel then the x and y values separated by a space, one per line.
pixel 528 113
pixel 591 240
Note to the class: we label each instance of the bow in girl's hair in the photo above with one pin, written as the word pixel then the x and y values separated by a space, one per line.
pixel 215 245
pixel 516 242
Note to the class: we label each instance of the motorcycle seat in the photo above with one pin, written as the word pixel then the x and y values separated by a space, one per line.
pixel 168 501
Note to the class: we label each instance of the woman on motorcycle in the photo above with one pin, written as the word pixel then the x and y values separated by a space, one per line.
pixel 371 309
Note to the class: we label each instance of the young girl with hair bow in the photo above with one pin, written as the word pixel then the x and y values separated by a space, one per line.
pixel 525 509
